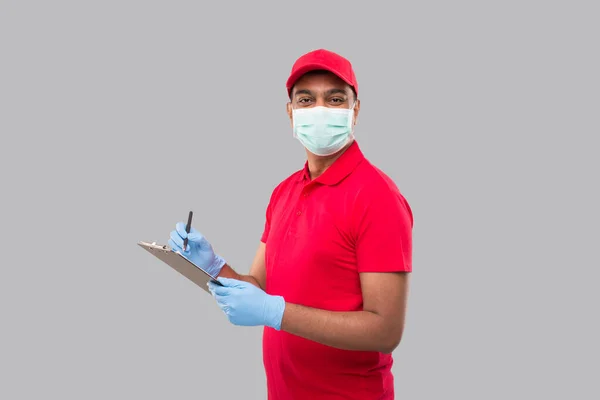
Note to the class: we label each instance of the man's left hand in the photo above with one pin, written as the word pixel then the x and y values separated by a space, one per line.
pixel 246 305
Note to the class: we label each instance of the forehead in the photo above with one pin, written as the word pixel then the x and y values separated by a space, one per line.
pixel 320 81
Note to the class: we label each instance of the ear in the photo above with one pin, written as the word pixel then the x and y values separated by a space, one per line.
pixel 289 112
pixel 356 110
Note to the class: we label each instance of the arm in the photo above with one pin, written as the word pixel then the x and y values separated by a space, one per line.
pixel 382 226
pixel 378 327
pixel 257 274
pixel 381 229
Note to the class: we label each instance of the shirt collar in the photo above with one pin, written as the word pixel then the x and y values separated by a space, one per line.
pixel 341 167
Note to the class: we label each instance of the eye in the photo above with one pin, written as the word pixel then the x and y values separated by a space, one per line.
pixel 337 100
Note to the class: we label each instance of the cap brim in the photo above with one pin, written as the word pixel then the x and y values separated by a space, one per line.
pixel 313 67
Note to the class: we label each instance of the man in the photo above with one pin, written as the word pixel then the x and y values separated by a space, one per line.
pixel 330 277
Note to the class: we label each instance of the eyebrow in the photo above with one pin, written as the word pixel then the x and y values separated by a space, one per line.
pixel 327 93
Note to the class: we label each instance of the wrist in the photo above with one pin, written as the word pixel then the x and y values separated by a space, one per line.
pixel 217 265
pixel 275 308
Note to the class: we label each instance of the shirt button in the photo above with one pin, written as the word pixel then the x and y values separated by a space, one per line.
pixel 299 212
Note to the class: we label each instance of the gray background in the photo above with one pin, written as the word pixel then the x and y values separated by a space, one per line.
pixel 118 117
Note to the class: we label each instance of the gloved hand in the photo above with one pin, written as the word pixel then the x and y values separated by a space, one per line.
pixel 198 249
pixel 246 305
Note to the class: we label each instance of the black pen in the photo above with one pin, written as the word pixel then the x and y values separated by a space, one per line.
pixel 187 229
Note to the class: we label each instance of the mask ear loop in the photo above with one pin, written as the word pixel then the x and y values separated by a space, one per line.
pixel 293 121
pixel 293 124
pixel 353 113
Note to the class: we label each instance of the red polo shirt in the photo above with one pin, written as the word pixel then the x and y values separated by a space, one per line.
pixel 320 235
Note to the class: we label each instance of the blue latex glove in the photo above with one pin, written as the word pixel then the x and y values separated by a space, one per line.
pixel 198 249
pixel 246 305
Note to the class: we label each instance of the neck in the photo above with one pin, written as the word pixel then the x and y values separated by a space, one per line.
pixel 317 165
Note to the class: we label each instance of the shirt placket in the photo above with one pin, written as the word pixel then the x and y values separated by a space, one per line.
pixel 303 200
pixel 300 206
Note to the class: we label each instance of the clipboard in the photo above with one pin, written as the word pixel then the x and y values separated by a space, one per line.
pixel 179 263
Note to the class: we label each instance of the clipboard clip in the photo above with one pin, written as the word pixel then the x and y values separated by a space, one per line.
pixel 164 247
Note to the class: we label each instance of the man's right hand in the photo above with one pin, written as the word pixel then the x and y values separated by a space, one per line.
pixel 198 249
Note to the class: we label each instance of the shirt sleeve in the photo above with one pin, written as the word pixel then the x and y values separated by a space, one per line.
pixel 268 213
pixel 267 226
pixel 383 230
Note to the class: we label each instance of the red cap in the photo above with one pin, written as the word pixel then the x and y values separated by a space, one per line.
pixel 325 60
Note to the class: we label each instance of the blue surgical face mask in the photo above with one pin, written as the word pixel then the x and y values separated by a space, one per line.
pixel 322 130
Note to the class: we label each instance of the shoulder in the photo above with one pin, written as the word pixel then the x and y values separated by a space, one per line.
pixel 372 183
pixel 376 190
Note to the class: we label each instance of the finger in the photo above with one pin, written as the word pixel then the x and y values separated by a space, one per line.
pixel 222 303
pixel 211 287
pixel 196 236
pixel 176 238
pixel 225 307
pixel 231 283
pixel 193 236
pixel 174 246
pixel 180 228
pixel 217 290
